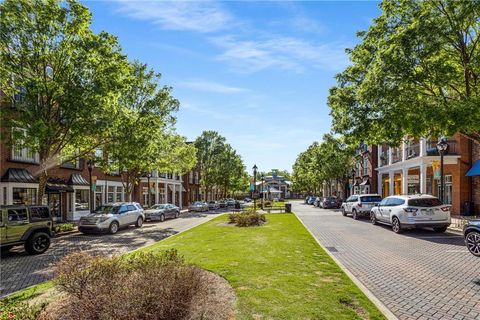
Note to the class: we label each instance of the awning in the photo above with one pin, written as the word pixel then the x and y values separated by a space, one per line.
pixel 356 183
pixel 18 175
pixel 183 188
pixel 55 185
pixel 474 170
pixel 365 182
pixel 170 187
pixel 77 180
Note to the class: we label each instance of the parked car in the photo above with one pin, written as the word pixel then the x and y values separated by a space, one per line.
pixel 471 231
pixel 316 202
pixel 213 205
pixel 247 199
pixel 329 203
pixel 359 205
pixel 230 202
pixel 222 203
pixel 412 211
pixel 111 217
pixel 30 226
pixel 160 212
pixel 311 200
pixel 198 206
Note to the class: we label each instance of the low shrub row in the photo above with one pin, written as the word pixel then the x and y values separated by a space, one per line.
pixel 247 219
pixel 64 227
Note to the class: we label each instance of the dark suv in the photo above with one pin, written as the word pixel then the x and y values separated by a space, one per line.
pixel 30 226
pixel 471 232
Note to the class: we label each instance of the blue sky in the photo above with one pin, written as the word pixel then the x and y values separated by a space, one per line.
pixel 256 72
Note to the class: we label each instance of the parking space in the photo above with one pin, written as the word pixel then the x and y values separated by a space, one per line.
pixel 419 274
pixel 19 270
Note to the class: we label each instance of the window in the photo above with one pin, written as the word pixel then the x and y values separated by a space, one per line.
pixel 371 199
pixel 17 215
pixel 392 202
pixel 365 166
pixel 98 196
pixel 383 202
pixel 190 177
pixel 130 207
pixel 425 202
pixel 119 194
pixel 110 194
pixel 39 213
pixel 20 152
pixel 82 197
pixel 196 177
pixel 24 196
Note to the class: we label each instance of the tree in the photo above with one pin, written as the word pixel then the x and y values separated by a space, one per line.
pixel 144 139
pixel 415 73
pixel 231 173
pixel 62 80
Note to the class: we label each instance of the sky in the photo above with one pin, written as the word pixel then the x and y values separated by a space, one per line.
pixel 256 72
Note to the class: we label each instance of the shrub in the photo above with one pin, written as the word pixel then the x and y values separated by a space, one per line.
pixel 247 219
pixel 12 310
pixel 138 286
pixel 64 227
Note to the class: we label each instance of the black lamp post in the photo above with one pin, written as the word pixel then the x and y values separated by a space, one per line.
pixel 263 189
pixel 149 175
pixel 90 168
pixel 442 147
pixel 353 178
pixel 255 188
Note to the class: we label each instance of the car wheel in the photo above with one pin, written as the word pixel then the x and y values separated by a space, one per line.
pixel 344 213
pixel 354 214
pixel 113 228
pixel 139 222
pixel 37 243
pixel 162 217
pixel 440 229
pixel 373 219
pixel 396 226
pixel 473 242
pixel 177 214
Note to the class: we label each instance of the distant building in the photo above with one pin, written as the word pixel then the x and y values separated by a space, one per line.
pixel 274 186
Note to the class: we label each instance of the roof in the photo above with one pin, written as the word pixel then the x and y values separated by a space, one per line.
pixel 18 175
pixel 474 170
pixel 365 182
pixel 77 180
pixel 57 185
pixel 412 196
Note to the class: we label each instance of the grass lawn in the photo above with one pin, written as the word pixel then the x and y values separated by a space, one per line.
pixel 277 270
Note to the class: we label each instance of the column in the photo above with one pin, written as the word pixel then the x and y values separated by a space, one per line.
pixel 379 183
pixel 156 191
pixel 173 193
pixel 404 152
pixel 389 155
pixel 391 176
pixel 379 154
pixel 165 191
pixel 423 147
pixel 180 202
pixel 423 178
pixel 405 181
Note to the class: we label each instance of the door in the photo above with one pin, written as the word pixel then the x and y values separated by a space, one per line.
pixel 123 215
pixel 132 213
pixel 17 223
pixel 382 206
pixel 55 204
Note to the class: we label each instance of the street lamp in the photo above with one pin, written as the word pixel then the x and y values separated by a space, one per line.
pixel 149 175
pixel 353 178
pixel 255 188
pixel 263 189
pixel 442 147
pixel 90 168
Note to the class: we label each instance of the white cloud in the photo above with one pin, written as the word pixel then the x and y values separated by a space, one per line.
pixel 200 16
pixel 208 86
pixel 280 52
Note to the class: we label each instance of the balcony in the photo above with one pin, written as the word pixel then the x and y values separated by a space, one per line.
pixel 383 160
pixel 453 148
pixel 412 151
pixel 396 155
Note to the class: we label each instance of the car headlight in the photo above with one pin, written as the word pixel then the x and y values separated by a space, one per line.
pixel 102 219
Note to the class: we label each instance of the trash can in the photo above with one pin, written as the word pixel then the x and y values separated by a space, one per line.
pixel 237 205
pixel 288 207
pixel 468 208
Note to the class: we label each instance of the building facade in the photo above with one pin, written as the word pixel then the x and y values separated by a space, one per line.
pixel 191 184
pixel 366 161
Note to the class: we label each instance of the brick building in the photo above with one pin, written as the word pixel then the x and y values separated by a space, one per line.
pixel 366 161
pixel 192 187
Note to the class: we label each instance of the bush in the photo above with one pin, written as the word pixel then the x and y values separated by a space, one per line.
pixel 247 219
pixel 138 286
pixel 64 227
pixel 11 310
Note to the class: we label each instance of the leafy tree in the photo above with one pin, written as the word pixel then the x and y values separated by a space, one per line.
pixel 231 173
pixel 62 80
pixel 144 139
pixel 415 73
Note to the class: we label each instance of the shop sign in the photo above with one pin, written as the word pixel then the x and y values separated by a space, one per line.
pixel 94 183
pixel 436 169
pixel 413 179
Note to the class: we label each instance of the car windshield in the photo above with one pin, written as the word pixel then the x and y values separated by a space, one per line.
pixel 198 203
pixel 424 202
pixel 331 199
pixel 159 206
pixel 211 202
pixel 107 209
pixel 371 199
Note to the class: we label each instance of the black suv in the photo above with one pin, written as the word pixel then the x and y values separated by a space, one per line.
pixel 30 226
pixel 471 231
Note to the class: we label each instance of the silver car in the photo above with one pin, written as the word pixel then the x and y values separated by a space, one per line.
pixel 213 205
pixel 160 212
pixel 412 211
pixel 198 206
pixel 359 205
pixel 111 217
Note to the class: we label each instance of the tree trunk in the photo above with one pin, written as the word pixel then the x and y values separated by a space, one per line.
pixel 42 183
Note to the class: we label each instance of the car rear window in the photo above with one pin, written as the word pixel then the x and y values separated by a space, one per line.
pixel 371 199
pixel 39 213
pixel 425 202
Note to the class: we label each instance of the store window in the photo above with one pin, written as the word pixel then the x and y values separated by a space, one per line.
pixel 119 194
pixel 447 188
pixel 98 196
pixel 24 196
pixel 82 197
pixel 110 194
pixel 365 166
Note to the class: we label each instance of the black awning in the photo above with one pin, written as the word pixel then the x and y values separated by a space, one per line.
pixel 55 185
pixel 356 183
pixel 365 182
pixel 18 175
pixel 77 180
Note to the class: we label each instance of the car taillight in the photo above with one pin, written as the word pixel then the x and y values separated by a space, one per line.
pixel 410 210
pixel 445 208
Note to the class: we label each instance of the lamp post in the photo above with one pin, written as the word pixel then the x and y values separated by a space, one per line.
pixel 442 147
pixel 353 179
pixel 255 188
pixel 149 175
pixel 90 168
pixel 263 189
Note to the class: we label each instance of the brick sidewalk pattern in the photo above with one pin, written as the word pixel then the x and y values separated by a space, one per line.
pixel 418 274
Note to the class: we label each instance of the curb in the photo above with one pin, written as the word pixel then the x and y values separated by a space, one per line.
pixel 383 309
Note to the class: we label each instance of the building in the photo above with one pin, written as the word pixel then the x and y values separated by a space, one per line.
pixel 414 167
pixel 191 184
pixel 366 161
pixel 274 186
pixel 164 188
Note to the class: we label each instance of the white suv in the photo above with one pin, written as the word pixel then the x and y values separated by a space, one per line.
pixel 412 211
pixel 360 205
pixel 111 217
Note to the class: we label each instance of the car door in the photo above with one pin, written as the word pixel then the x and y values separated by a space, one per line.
pixel 17 223
pixel 387 211
pixel 379 212
pixel 168 211
pixel 132 213
pixel 122 215
pixel 351 203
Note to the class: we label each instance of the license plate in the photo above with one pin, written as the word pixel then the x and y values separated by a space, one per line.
pixel 428 212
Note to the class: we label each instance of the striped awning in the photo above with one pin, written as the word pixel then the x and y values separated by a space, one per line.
pixel 18 175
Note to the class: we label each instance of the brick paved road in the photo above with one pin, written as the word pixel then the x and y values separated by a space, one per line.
pixel 417 275
pixel 19 270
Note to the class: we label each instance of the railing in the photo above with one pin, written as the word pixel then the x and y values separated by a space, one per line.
pixel 413 151
pixel 453 148
pixel 396 155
